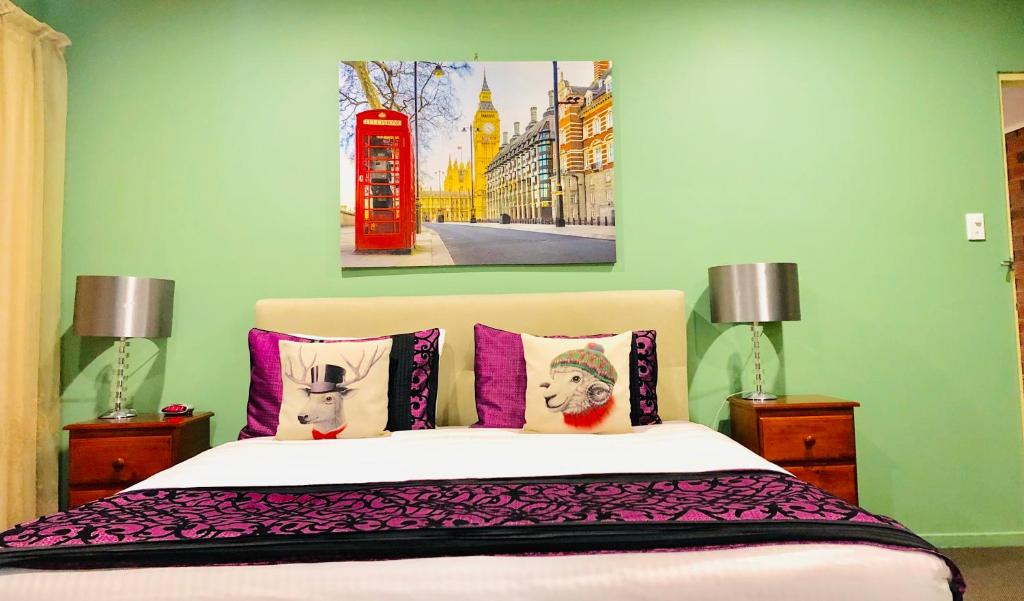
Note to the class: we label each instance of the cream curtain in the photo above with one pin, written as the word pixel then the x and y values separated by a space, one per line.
pixel 33 107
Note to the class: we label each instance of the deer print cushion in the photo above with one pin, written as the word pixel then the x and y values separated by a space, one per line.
pixel 577 385
pixel 412 386
pixel 337 390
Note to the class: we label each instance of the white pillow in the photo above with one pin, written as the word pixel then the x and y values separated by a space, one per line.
pixel 440 338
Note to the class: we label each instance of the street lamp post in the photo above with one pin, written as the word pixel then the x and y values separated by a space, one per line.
pixel 415 154
pixel 440 195
pixel 472 176
pixel 579 214
pixel 573 100
pixel 417 91
pixel 560 220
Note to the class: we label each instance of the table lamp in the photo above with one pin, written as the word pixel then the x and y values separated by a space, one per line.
pixel 755 293
pixel 122 307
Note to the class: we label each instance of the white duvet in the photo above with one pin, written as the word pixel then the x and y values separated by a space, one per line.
pixel 792 572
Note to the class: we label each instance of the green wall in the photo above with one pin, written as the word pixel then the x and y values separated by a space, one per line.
pixel 850 137
pixel 32 7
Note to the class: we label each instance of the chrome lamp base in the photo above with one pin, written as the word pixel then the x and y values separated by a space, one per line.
pixel 120 370
pixel 122 413
pixel 759 395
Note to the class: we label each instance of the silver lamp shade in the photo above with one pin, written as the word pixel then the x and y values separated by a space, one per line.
pixel 755 293
pixel 122 307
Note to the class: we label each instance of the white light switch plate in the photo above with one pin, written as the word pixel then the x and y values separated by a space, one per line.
pixel 975 226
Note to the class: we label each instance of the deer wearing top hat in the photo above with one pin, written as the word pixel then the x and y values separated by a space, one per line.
pixel 324 408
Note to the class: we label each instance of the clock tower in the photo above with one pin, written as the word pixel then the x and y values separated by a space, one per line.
pixel 486 128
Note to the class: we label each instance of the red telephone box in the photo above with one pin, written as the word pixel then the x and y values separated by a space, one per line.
pixel 385 183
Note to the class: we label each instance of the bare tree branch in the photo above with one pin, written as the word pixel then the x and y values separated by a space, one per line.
pixel 394 84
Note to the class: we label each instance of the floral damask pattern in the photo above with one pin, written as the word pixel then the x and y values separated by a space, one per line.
pixel 490 511
pixel 425 357
pixel 646 373
pixel 173 514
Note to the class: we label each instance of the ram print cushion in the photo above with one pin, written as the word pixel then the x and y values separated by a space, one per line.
pixel 337 390
pixel 412 382
pixel 500 370
pixel 577 385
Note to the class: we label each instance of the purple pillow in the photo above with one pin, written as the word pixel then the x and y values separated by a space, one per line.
pixel 500 367
pixel 412 382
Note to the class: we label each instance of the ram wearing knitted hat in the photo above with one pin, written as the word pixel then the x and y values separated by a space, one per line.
pixel 581 386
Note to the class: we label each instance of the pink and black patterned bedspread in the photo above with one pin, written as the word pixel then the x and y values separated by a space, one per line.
pixel 575 514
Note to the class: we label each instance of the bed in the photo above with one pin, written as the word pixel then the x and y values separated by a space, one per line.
pixel 670 510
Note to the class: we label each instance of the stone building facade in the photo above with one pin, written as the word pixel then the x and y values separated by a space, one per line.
pixel 519 179
pixel 586 142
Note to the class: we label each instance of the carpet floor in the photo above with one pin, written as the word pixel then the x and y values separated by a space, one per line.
pixel 992 574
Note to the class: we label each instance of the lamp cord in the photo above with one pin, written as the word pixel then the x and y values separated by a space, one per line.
pixel 714 423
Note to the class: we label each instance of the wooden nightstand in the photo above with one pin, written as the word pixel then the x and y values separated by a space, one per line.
pixel 106 456
pixel 812 436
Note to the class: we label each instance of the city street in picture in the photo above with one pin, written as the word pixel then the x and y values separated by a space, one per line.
pixel 476 163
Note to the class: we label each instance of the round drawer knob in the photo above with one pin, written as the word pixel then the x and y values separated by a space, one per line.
pixel 809 441
pixel 117 463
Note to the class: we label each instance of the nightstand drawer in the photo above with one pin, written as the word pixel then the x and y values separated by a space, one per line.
pixel 840 480
pixel 808 438
pixel 118 460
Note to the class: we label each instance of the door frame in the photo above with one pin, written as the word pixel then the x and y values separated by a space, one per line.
pixel 1003 79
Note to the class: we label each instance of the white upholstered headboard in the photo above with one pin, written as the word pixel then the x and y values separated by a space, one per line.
pixel 570 313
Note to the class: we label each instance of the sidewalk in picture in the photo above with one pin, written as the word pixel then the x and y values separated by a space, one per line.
pixel 430 250
pixel 601 232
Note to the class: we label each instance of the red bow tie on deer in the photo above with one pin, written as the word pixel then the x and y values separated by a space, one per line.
pixel 318 435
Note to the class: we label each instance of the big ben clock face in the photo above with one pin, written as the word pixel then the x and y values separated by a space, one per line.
pixel 488 128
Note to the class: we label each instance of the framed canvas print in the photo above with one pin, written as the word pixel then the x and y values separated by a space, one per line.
pixel 476 163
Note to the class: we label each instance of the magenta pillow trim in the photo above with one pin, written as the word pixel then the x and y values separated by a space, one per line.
pixel 500 369
pixel 265 388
